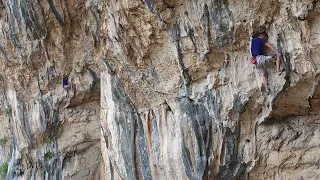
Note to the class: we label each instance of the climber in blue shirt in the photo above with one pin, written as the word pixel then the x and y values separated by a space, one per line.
pixel 65 83
pixel 260 60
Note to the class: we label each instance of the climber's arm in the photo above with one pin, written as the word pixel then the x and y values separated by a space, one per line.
pixel 272 48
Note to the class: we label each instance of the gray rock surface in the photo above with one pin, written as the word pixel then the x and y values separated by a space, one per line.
pixel 157 90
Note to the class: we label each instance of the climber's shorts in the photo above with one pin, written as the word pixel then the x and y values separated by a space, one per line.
pixel 263 62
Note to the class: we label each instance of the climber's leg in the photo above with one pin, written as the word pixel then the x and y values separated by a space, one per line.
pixel 264 73
pixel 262 62
pixel 268 60
pixel 277 60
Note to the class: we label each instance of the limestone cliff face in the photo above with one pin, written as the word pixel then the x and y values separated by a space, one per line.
pixel 182 101
pixel 54 133
pixel 159 90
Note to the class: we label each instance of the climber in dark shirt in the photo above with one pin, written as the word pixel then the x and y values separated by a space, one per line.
pixel 257 51
pixel 65 83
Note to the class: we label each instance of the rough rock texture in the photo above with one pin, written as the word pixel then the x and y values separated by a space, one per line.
pixel 159 90
pixel 182 101
pixel 54 132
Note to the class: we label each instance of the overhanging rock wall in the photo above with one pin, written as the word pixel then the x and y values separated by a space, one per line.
pixel 191 105
pixel 159 90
